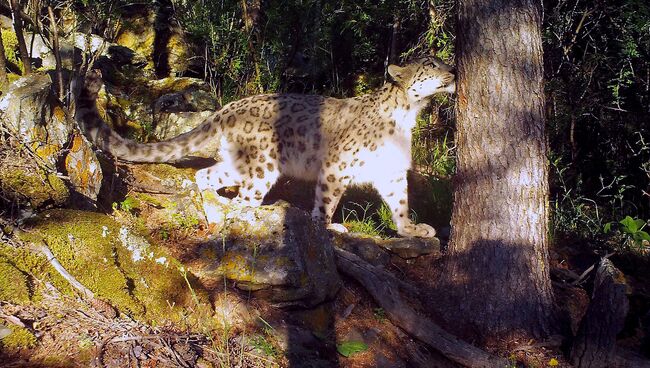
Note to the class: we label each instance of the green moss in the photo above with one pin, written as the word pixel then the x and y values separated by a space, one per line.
pixel 19 338
pixel 10 43
pixel 29 263
pixel 121 267
pixel 75 238
pixel 14 285
pixel 36 188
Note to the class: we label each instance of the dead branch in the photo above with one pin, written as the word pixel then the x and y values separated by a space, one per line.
pixel 45 250
pixel 385 289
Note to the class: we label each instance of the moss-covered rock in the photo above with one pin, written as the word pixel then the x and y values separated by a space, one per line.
pixel 31 185
pixel 122 267
pixel 160 87
pixel 14 285
pixel 19 338
pixel 179 53
pixel 139 34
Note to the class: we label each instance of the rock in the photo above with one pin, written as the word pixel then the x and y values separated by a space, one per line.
pixel 118 264
pixel 179 52
pixel 6 23
pixel 34 115
pixel 89 43
pixel 83 168
pixel 120 56
pixel 4 332
pixel 160 87
pixel 138 34
pixel 191 99
pixel 274 251
pixel 169 125
pixel 365 246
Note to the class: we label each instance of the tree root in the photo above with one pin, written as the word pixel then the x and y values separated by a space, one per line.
pixel 385 289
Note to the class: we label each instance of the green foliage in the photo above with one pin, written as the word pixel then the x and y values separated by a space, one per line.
pixel 632 230
pixel 129 204
pixel 262 344
pixel 302 45
pixel 573 213
pixel 596 58
pixel 20 338
pixel 10 43
pixel 362 220
pixel 434 154
pixel 349 348
pixel 379 314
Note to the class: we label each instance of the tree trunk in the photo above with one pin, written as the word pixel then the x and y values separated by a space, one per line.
pixel 3 63
pixel 496 280
pixel 20 37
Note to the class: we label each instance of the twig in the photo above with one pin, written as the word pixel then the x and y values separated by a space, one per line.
pixel 583 275
pixel 12 319
pixel 64 273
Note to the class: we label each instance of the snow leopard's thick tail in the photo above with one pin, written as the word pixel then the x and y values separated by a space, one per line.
pixel 106 139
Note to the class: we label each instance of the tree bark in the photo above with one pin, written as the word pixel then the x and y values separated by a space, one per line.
pixel 16 14
pixel 496 281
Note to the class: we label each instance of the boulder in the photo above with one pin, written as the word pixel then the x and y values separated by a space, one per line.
pixel 171 124
pixel 33 114
pixel 90 43
pixel 6 23
pixel 276 252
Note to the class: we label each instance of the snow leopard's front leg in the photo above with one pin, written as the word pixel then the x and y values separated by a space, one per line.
pixel 393 188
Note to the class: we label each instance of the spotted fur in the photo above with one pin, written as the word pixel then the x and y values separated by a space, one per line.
pixel 334 142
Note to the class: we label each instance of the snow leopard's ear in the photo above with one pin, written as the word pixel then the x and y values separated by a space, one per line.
pixel 396 72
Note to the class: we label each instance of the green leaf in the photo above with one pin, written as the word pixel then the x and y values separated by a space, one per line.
pixel 607 228
pixel 640 236
pixel 629 225
pixel 639 224
pixel 348 348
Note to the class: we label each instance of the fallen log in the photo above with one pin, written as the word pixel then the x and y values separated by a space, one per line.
pixel 595 342
pixel 385 289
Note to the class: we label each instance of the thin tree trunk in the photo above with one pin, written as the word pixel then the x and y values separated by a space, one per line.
pixel 18 28
pixel 57 51
pixel 496 278
pixel 3 63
